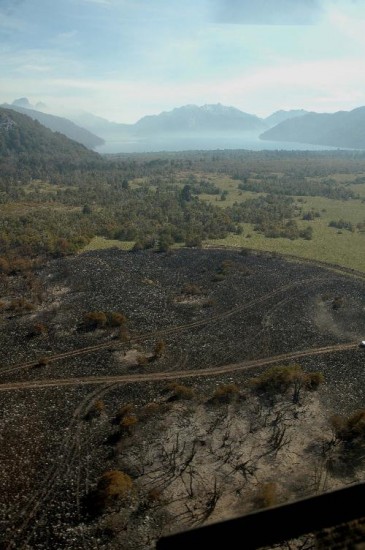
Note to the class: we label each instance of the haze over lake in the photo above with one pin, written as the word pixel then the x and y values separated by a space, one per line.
pixel 175 143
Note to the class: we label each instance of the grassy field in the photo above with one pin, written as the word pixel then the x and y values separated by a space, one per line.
pixel 328 244
pixel 346 249
pixel 100 243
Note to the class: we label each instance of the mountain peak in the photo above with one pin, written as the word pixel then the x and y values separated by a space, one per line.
pixel 199 119
pixel 24 103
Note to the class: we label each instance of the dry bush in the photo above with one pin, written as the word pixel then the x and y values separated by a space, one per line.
pixel 159 348
pixel 218 277
pixel 350 435
pixel 225 393
pixel 20 265
pixel 278 380
pixel 274 380
pixel 20 304
pixel 4 266
pixel 209 302
pixel 266 495
pixel 124 410
pixel 128 422
pixel 113 486
pixel 99 406
pixel 96 410
pixel 180 391
pixel 313 380
pixel 142 360
pixel 191 289
pixel 350 429
pixel 95 319
pixel 39 329
pixel 117 319
pixel 154 495
pixel 124 335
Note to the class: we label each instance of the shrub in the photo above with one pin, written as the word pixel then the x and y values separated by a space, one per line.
pixel 38 329
pixel 179 391
pixel 95 319
pixel 159 348
pixel 226 393
pixel 137 247
pixel 113 485
pixel 96 410
pixel 99 406
pixel 337 302
pixel 218 277
pixel 313 380
pixel 128 422
pixel 278 380
pixel 124 410
pixel 124 335
pixel 274 380
pixel 142 360
pixel 191 289
pixel 117 319
pixel 4 265
pixel 194 242
pixel 20 304
pixel 266 495
pixel 350 429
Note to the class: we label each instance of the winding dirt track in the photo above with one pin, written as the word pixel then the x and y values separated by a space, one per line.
pixel 171 330
pixel 171 375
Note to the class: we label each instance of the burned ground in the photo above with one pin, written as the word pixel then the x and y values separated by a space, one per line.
pixel 191 459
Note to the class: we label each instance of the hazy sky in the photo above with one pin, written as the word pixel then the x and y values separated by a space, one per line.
pixel 122 59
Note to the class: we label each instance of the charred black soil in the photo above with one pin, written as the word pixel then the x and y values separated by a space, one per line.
pixel 191 459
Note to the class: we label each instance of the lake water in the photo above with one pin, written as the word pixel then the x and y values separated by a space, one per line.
pixel 149 145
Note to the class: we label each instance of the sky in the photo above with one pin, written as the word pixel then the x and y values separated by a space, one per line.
pixel 123 59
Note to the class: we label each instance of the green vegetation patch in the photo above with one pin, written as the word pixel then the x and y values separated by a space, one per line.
pixel 100 243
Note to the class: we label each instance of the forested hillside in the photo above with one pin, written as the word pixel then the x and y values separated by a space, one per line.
pixel 60 124
pixel 28 149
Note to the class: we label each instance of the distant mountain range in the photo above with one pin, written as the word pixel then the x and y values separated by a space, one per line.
pixel 344 129
pixel 189 119
pixel 194 119
pixel 280 116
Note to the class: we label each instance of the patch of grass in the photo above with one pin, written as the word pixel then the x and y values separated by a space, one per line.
pixel 326 245
pixel 100 243
pixel 226 183
pixel 330 209
pixel 346 249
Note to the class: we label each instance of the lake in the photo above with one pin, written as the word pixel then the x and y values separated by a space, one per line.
pixel 191 143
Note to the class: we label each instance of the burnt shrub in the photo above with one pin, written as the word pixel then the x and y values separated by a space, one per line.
pixel 113 490
pixel 226 393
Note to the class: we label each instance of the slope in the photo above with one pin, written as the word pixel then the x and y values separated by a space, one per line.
pixel 62 125
pixel 341 129
pixel 27 147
